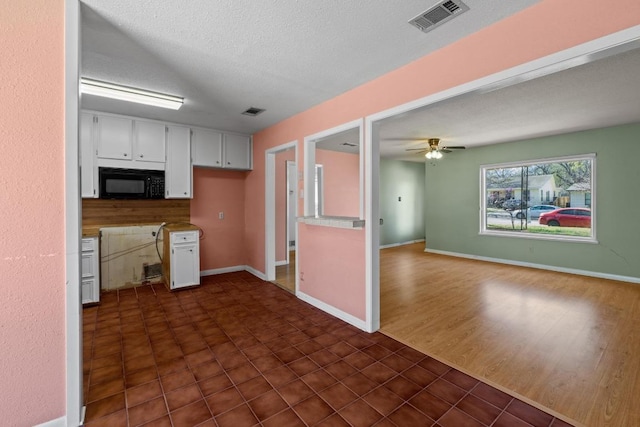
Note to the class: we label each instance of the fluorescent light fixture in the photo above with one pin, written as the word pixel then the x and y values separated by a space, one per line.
pixel 131 94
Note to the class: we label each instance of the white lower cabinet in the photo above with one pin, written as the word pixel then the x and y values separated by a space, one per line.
pixel 181 260
pixel 90 267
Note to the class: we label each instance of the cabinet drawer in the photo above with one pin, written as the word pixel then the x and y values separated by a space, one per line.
pixel 88 244
pixel 184 237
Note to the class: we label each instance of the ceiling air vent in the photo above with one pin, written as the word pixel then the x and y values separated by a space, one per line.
pixel 253 111
pixel 438 15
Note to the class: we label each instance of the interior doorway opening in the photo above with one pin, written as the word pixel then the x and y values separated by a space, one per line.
pixel 281 211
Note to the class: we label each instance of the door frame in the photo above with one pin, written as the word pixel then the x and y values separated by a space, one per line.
pixel 270 208
pixel 73 215
pixel 590 51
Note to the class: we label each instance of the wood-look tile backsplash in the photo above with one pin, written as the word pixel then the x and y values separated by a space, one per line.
pixel 105 212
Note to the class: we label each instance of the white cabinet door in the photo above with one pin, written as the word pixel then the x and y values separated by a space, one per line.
pixel 185 265
pixel 90 294
pixel 237 151
pixel 207 148
pixel 178 166
pixel 88 170
pixel 149 141
pixel 88 262
pixel 115 136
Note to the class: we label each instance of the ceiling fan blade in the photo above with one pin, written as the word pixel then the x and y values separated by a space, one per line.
pixel 417 149
pixel 455 147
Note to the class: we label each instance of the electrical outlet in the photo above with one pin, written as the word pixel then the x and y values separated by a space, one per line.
pixel 220 215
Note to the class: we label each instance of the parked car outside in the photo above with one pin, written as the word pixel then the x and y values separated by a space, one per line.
pixel 567 217
pixel 533 212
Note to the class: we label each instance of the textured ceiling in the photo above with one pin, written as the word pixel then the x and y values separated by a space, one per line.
pixel 599 94
pixel 224 56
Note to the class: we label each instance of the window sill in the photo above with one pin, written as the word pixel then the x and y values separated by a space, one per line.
pixel 347 222
pixel 527 235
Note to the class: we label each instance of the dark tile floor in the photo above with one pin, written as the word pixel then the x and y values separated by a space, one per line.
pixel 238 351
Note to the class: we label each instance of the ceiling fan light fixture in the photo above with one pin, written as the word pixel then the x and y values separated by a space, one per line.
pixel 435 155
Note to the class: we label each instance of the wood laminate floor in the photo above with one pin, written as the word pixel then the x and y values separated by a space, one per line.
pixel 568 344
pixel 286 274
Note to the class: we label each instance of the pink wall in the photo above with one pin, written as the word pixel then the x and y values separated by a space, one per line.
pixel 281 203
pixel 32 224
pixel 331 278
pixel 521 38
pixel 217 191
pixel 341 182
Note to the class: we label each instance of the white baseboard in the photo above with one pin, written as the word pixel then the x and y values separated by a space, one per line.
pixel 223 270
pixel 540 266
pixel 279 263
pixel 258 274
pixel 58 422
pixel 335 312
pixel 233 269
pixel 393 245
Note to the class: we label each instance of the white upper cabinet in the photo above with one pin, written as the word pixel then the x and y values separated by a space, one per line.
pixel 110 140
pixel 149 141
pixel 207 147
pixel 88 169
pixel 178 167
pixel 114 137
pixel 237 151
pixel 221 150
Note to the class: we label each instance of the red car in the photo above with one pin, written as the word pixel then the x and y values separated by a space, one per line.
pixel 567 217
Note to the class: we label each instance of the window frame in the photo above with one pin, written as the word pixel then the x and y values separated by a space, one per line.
pixel 526 235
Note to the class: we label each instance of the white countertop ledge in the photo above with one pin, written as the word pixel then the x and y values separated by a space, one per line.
pixel 333 221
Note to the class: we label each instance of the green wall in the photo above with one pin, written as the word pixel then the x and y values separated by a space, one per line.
pixel 404 219
pixel 453 202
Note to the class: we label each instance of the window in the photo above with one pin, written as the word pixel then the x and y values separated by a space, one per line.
pixel 531 199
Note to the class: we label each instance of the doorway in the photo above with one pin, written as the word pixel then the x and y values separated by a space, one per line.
pixel 286 269
pixel 281 207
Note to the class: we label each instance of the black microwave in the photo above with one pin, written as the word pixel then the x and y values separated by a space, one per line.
pixel 117 183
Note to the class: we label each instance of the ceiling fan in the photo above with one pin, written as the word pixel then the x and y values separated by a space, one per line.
pixel 435 150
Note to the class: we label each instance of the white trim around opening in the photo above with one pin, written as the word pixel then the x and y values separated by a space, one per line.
pixel 603 47
pixel 270 207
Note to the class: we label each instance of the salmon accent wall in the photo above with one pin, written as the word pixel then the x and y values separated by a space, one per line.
pixel 216 191
pixel 543 29
pixel 333 279
pixel 341 182
pixel 32 222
